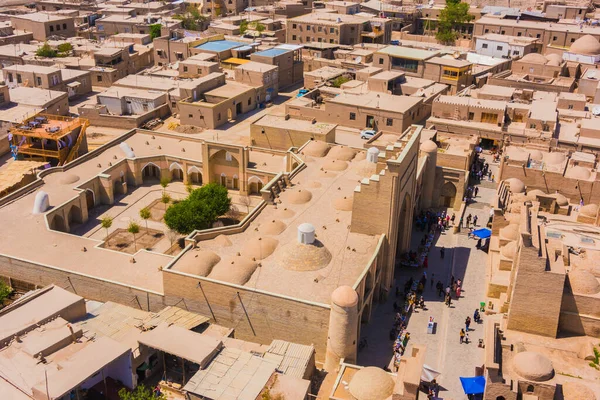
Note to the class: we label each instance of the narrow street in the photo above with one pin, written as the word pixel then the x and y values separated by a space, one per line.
pixel 444 352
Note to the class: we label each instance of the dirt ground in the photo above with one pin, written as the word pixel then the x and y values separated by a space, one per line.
pixel 121 240
pixel 158 209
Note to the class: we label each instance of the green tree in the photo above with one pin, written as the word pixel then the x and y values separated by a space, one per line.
pixel 164 182
pixel 106 223
pixel 191 19
pixel 199 210
pixel 134 229
pixel 5 291
pixel 243 26
pixel 455 14
pixel 140 393
pixel 46 51
pixel 65 48
pixel 145 214
pixel 165 199
pixel 339 81
pixel 260 28
pixel 155 30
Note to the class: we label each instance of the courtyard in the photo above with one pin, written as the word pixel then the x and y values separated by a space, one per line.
pixel 153 235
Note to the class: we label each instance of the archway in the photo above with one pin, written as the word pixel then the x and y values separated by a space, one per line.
pixel 223 180
pixel 255 185
pixel 176 172
pixel 58 224
pixel 150 172
pixel 90 198
pixel 403 227
pixel 75 215
pixel 448 194
pixel 194 175
pixel 236 182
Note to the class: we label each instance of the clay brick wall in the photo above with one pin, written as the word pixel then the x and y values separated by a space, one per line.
pixel 271 316
pixel 82 285
pixel 533 179
pixel 535 306
pixel 283 139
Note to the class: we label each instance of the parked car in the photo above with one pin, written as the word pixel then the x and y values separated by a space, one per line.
pixel 367 134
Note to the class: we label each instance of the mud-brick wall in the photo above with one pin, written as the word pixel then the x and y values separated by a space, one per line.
pixel 269 316
pixel 85 286
pixel 536 300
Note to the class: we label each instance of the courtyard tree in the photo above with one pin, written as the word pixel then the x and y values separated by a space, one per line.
pixel 5 292
pixel 106 223
pixel 451 18
pixel 191 19
pixel 134 229
pixel 243 26
pixel 141 392
pixel 165 199
pixel 246 201
pixel 46 51
pixel 260 28
pixel 145 214
pixel 155 30
pixel 173 236
pixel 164 182
pixel 199 210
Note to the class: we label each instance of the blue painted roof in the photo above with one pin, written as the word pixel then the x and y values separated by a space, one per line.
pixel 219 45
pixel 271 52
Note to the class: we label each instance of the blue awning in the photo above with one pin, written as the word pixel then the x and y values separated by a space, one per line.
pixel 474 385
pixel 482 233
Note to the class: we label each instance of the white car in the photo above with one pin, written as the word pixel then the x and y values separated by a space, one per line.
pixel 367 134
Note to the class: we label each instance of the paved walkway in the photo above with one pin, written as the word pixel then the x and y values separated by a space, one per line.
pixel 444 351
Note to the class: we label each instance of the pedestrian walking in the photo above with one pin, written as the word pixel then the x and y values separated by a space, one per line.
pixel 440 288
pixel 453 218
pixel 460 223
pixel 462 336
pixel 442 252
pixel 458 290
pixel 448 291
pixel 475 220
pixel 476 191
pixel 492 178
pixel 469 217
pixel 466 338
pixel 432 278
pixel 467 323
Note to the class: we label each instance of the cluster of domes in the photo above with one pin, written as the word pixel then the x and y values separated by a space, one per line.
pixel 316 148
pixel 536 58
pixel 236 269
pixel 341 153
pixel 198 262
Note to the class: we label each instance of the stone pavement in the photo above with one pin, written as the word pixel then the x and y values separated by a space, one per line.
pixel 444 351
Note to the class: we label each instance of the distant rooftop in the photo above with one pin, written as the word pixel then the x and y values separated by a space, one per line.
pixel 408 52
pixel 218 46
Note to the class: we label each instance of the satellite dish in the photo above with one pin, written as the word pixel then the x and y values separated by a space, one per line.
pixel 596 110
pixel 358 59
pixel 591 74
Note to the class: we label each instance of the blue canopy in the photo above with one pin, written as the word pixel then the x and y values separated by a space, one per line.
pixel 482 233
pixel 474 385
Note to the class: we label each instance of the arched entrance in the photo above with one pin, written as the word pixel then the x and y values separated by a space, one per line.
pixel 58 224
pixel 229 114
pixel 90 199
pixel 176 172
pixel 236 182
pixel 404 225
pixel 150 172
pixel 448 194
pixel 223 180
pixel 75 215
pixel 255 185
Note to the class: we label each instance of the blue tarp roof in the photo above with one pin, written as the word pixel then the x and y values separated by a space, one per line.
pixel 271 52
pixel 482 233
pixel 474 385
pixel 219 45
